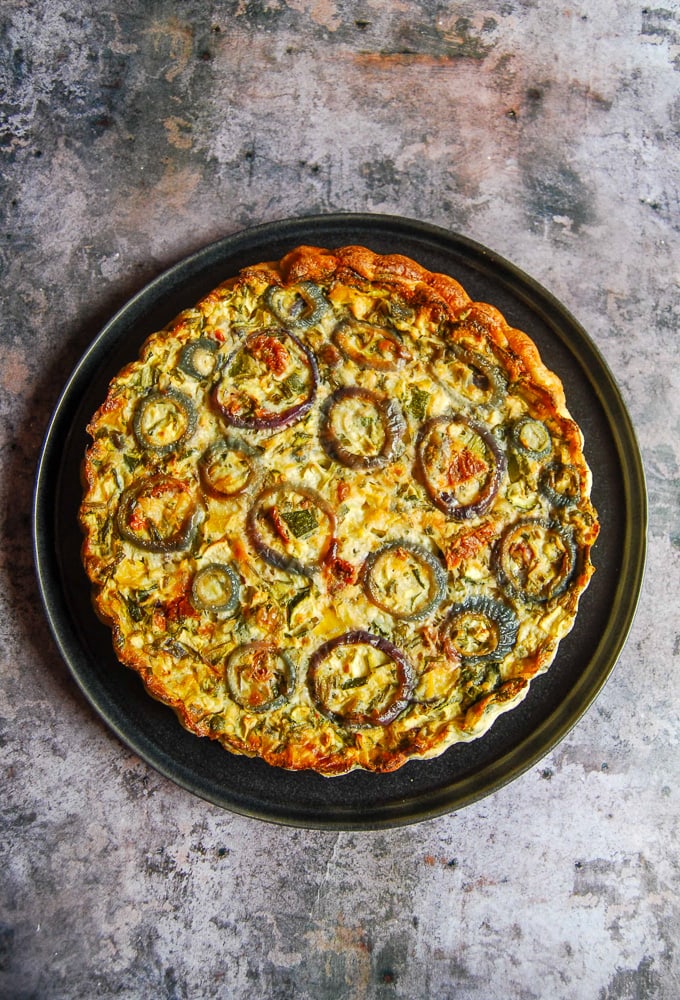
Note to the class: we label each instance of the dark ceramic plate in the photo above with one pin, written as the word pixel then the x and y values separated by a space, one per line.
pixel 421 789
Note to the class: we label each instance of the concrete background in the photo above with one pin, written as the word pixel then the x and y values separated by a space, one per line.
pixel 134 133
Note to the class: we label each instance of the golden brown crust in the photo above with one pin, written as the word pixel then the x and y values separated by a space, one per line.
pixel 430 466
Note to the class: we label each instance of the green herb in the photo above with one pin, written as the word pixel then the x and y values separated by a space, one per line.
pixel 131 462
pixel 418 403
pixel 295 600
pixel 135 612
pixel 143 594
pixel 105 530
pixel 354 682
pixel 301 522
pixel 292 386
pixel 514 468
pixel 240 365
pixel 304 629
pixel 301 436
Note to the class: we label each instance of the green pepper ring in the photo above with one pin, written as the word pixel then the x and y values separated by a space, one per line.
pixel 181 401
pixel 519 445
pixel 186 359
pixel 552 495
pixel 503 618
pixel 506 578
pixel 288 675
pixel 313 297
pixel 227 573
pixel 482 368
pixel 437 574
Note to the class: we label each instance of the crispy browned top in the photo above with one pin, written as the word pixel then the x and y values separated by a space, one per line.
pixel 446 507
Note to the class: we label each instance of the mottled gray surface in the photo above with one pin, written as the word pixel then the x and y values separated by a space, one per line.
pixel 136 132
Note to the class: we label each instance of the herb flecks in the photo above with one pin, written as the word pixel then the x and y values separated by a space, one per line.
pixel 294 601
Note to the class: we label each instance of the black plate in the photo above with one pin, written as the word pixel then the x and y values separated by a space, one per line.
pixel 421 789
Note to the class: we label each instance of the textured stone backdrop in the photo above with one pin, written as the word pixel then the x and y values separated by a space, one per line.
pixel 134 133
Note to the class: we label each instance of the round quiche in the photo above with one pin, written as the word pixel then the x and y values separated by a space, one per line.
pixel 337 514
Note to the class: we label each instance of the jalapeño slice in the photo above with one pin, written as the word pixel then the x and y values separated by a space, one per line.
pixel 163 419
pixel 199 358
pixel 532 438
pixel 561 485
pixel 260 677
pixel 405 580
pixel 215 588
pixel 473 376
pixel 481 630
pixel 535 560
pixel 159 514
pixel 299 307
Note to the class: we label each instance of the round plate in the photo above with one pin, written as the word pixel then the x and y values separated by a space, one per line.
pixel 421 789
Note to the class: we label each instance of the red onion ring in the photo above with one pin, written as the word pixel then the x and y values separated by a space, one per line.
pixel 279 559
pixel 274 420
pixel 393 423
pixel 363 720
pixel 444 500
pixel 178 540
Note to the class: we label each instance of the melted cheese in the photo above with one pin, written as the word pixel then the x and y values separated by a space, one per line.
pixel 432 353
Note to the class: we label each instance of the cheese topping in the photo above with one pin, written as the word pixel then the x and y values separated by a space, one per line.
pixel 336 514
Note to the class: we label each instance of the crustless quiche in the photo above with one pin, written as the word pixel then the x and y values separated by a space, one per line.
pixel 337 515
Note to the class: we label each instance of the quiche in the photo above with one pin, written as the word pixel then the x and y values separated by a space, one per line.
pixel 337 515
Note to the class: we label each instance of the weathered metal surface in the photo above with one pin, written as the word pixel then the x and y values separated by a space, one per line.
pixel 134 133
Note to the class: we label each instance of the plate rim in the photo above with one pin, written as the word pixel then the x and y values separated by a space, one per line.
pixel 543 738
